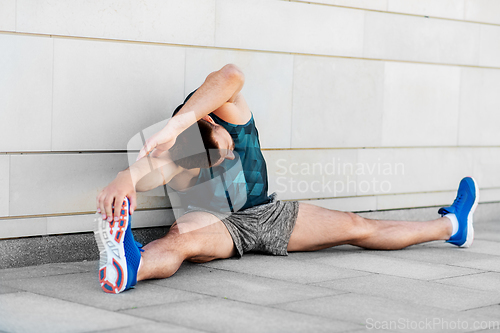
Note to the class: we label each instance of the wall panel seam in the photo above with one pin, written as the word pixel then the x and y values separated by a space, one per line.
pixel 243 50
pixel 15 16
pixel 88 152
pixel 35 216
pixel 52 93
pixel 384 147
pixel 391 12
pixel 294 199
pixel 185 71
pixel 9 184
pixel 479 47
pixel 387 194
pixel 465 9
pixel 383 113
pixel 215 21
pixel 292 108
pixel 363 40
pixel 459 105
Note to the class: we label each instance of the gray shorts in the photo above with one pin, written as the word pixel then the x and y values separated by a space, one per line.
pixel 264 228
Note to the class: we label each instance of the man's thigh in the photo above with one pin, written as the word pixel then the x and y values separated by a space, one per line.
pixel 203 236
pixel 318 228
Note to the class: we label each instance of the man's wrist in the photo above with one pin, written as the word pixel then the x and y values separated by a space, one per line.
pixel 127 175
pixel 180 122
pixel 123 173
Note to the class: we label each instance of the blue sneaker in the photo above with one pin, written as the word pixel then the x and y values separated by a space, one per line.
pixel 463 207
pixel 120 254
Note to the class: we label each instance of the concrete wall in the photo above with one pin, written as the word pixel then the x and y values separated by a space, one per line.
pixel 361 105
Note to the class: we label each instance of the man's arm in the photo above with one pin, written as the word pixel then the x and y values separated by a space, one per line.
pixel 143 175
pixel 164 169
pixel 220 89
pixel 220 93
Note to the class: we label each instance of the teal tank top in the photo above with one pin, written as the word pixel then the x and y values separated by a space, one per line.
pixel 234 184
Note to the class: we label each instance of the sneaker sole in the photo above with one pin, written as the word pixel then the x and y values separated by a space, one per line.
pixel 470 221
pixel 112 264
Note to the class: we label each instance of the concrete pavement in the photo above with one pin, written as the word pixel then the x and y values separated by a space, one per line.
pixel 435 287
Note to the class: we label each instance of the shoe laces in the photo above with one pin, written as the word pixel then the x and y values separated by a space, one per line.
pixel 459 201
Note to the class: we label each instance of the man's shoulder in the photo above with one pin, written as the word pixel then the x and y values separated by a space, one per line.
pixel 236 112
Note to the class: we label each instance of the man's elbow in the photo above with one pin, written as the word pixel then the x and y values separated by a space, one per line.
pixel 233 73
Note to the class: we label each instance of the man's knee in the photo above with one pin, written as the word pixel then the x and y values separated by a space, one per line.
pixel 201 237
pixel 183 242
pixel 362 228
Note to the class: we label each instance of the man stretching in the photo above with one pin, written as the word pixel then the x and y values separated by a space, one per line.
pixel 237 215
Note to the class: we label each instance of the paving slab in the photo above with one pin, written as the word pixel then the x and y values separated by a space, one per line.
pixel 486 246
pixel 152 327
pixel 487 225
pixel 38 271
pixel 336 289
pixel 241 287
pixel 6 290
pixel 491 311
pixel 337 251
pixel 393 266
pixel 50 315
pixel 284 268
pixel 224 315
pixel 86 265
pixel 482 281
pixel 84 288
pixel 487 231
pixel 478 246
pixel 416 291
pixel 373 312
pixel 491 265
pixel 363 330
pixel 441 255
pixel 486 235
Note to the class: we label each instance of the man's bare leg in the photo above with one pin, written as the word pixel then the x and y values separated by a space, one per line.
pixel 196 237
pixel 319 228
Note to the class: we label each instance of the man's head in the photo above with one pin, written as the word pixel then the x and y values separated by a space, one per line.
pixel 215 145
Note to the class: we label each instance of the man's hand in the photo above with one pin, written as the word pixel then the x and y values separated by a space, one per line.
pixel 221 88
pixel 114 194
pixel 164 139
pixel 159 142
